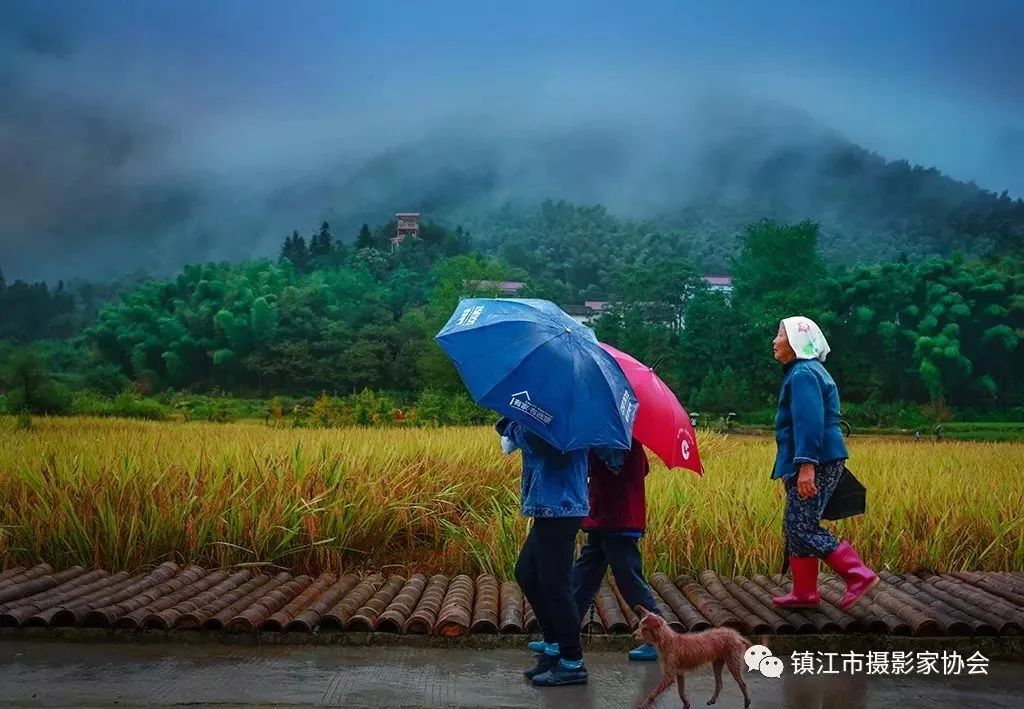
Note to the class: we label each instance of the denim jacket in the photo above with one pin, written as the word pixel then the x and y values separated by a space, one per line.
pixel 554 483
pixel 807 420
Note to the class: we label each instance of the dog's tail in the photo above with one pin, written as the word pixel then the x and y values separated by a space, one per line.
pixel 741 643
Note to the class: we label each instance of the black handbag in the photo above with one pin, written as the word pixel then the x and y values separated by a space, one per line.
pixel 848 500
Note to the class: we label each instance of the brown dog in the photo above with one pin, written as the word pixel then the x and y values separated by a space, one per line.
pixel 678 653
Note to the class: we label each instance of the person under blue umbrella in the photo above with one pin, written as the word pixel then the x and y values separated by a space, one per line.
pixel 554 494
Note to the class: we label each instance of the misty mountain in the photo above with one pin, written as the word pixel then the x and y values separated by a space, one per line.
pixel 152 135
pixel 695 182
pixel 684 181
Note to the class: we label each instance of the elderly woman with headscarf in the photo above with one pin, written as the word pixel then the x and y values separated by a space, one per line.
pixel 810 461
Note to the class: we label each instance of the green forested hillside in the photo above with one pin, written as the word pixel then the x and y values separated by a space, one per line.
pixel 337 318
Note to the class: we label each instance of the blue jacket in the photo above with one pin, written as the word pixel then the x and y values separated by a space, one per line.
pixel 807 420
pixel 554 483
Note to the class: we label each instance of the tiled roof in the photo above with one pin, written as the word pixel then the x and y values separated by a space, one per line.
pixel 173 597
pixel 718 280
pixel 506 287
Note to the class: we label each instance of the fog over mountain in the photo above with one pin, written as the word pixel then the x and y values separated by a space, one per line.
pixel 148 135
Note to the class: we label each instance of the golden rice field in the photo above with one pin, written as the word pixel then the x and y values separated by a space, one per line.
pixel 126 494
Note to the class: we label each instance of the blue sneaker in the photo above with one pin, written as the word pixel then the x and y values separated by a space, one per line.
pixel 644 653
pixel 565 673
pixel 545 663
pixel 539 647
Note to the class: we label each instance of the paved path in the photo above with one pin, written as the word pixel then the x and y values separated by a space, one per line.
pixel 87 674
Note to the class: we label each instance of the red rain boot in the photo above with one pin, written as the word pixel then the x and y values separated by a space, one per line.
pixel 858 577
pixel 805 584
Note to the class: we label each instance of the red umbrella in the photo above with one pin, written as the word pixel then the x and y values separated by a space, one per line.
pixel 662 423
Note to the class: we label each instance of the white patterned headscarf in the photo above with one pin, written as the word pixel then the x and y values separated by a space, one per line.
pixel 806 338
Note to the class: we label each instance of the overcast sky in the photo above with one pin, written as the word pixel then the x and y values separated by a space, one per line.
pixel 152 127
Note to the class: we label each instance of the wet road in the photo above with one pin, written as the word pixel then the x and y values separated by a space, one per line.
pixel 124 675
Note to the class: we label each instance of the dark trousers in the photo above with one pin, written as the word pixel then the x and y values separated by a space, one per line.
pixel 544 572
pixel 802 521
pixel 622 553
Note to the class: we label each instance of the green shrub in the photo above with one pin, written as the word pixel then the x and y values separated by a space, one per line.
pixel 31 387
pixel 439 408
pixel 721 392
pixel 328 411
pixel 275 412
pixel 48 397
pixel 204 408
pixel 430 408
pixel 219 410
pixel 105 378
pixel 300 416
pixel 371 408
pixel 463 411
pixel 125 405
pixel 128 405
pixel 89 403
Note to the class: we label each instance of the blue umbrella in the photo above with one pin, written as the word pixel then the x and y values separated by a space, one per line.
pixel 528 360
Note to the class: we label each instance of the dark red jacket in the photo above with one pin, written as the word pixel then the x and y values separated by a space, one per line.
pixel 617 501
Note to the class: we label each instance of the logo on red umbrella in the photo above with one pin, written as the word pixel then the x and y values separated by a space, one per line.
pixel 684 443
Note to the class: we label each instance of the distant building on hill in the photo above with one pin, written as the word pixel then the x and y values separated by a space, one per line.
pixel 722 284
pixel 591 310
pixel 507 289
pixel 588 312
pixel 407 224
pixel 579 313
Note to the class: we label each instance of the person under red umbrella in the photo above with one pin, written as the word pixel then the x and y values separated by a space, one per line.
pixel 617 494
pixel 614 527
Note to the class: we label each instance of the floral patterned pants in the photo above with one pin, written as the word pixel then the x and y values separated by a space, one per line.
pixel 802 521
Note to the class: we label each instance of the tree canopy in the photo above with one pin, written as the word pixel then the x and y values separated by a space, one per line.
pixel 342 316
